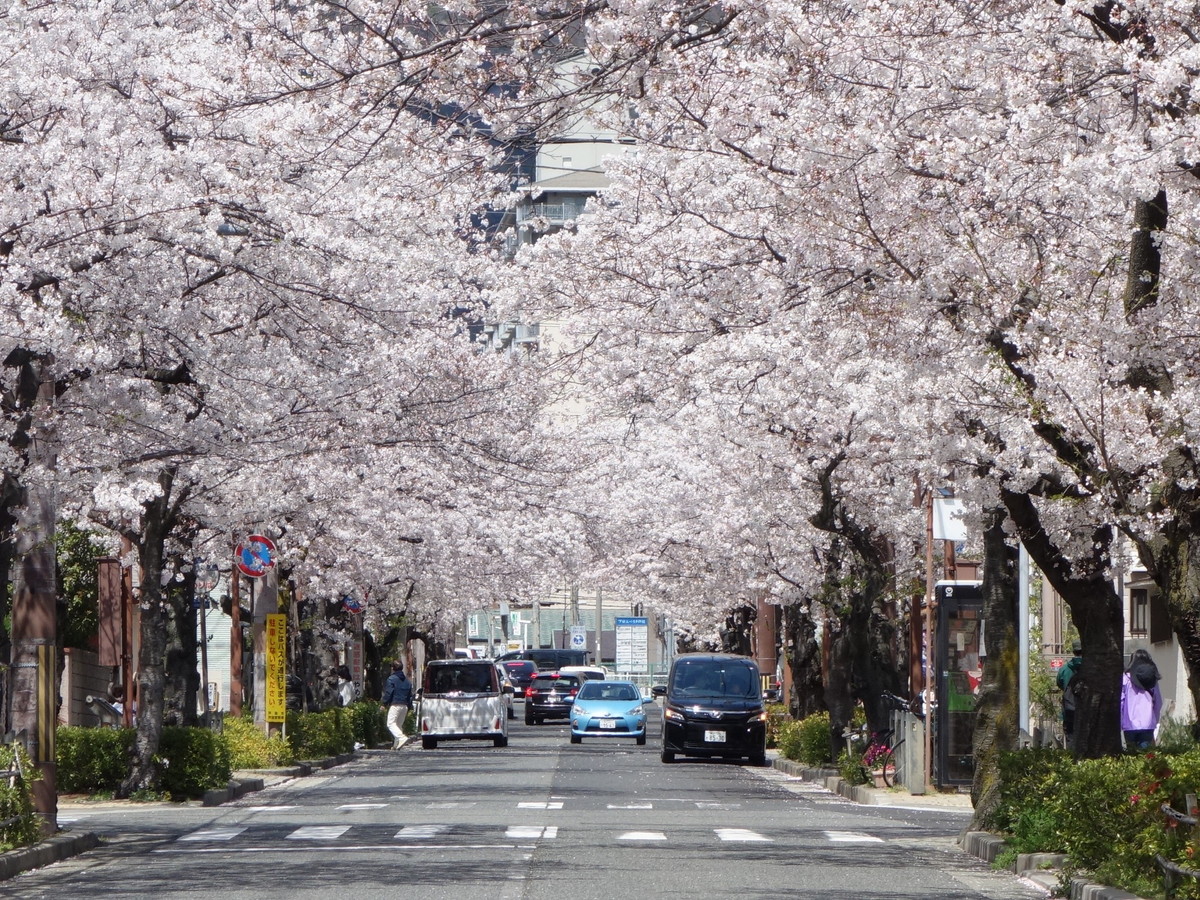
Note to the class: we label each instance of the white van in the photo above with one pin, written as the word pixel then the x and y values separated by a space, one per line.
pixel 462 699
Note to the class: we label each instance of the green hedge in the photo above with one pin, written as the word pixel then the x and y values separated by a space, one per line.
pixel 92 760
pixel 806 741
pixel 1104 814
pixel 16 799
pixel 250 748
pixel 316 735
pixel 194 760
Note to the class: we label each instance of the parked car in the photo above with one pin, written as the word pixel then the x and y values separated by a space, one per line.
pixel 550 696
pixel 608 709
pixel 462 699
pixel 713 707
pixel 521 672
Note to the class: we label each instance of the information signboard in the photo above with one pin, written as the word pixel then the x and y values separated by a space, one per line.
pixel 276 640
pixel 632 643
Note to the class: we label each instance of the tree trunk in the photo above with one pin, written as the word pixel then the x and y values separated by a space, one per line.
pixel 996 722
pixel 1098 614
pixel 806 693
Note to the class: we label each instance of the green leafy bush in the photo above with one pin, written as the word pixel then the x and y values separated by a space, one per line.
pixel 250 748
pixel 777 718
pixel 23 826
pixel 850 767
pixel 91 760
pixel 368 723
pixel 806 741
pixel 194 760
pixel 316 735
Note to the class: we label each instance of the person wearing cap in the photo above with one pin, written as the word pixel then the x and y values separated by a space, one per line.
pixel 397 700
pixel 1067 684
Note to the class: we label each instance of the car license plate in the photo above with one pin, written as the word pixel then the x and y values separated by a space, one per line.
pixel 714 737
pixel 607 723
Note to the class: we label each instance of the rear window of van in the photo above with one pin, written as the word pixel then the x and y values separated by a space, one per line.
pixel 465 679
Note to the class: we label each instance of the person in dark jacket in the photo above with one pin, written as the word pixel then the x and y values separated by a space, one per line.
pixel 397 700
pixel 1141 701
pixel 1069 686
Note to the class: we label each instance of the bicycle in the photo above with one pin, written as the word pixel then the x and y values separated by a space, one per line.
pixel 886 757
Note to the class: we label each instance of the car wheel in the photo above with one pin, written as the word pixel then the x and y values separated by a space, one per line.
pixel 500 740
pixel 528 717
pixel 668 756
pixel 641 740
pixel 759 760
pixel 576 739
pixel 429 743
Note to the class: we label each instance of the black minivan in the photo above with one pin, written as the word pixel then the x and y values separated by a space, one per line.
pixel 713 707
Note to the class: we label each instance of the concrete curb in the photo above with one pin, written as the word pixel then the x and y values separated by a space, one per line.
pixel 253 780
pixel 51 850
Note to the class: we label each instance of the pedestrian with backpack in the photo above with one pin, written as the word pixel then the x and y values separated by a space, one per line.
pixel 1141 701
pixel 1069 683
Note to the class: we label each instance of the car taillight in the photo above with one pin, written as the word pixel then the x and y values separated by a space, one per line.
pixel 529 692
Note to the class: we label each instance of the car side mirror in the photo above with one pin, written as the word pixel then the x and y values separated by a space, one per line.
pixel 508 689
pixel 659 690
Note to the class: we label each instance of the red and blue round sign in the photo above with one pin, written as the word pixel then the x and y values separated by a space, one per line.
pixel 255 555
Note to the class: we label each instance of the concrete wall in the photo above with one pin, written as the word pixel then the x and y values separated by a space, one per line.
pixel 82 675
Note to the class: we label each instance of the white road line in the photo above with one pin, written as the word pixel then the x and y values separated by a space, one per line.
pixel 226 833
pixel 421 831
pixel 363 806
pixel 451 804
pixel 852 837
pixel 531 832
pixel 741 834
pixel 267 808
pixel 642 836
pixel 318 832
pixel 540 805
pixel 631 806
pixel 706 805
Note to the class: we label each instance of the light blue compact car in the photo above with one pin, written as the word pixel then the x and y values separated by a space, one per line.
pixel 608 709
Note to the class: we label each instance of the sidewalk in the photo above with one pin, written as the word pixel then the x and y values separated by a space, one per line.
pixel 1041 869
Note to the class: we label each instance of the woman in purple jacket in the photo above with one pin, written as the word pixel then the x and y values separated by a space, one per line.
pixel 1141 701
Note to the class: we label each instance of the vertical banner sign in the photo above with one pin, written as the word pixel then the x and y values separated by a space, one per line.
pixel 632 641
pixel 276 667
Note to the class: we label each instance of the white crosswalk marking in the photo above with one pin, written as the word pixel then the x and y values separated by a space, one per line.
pixel 451 804
pixel 700 804
pixel 642 836
pixel 421 831
pixel 540 805
pixel 362 806
pixel 741 834
pixel 631 806
pixel 531 832
pixel 268 808
pixel 318 833
pixel 852 837
pixel 226 833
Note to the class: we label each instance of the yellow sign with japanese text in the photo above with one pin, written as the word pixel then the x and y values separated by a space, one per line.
pixel 276 667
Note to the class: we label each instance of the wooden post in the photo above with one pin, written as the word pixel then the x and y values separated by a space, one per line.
pixel 235 643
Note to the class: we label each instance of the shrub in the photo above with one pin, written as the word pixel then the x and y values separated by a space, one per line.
pixel 850 767
pixel 193 761
pixel 368 723
pixel 807 741
pixel 250 748
pixel 16 799
pixel 316 735
pixel 91 760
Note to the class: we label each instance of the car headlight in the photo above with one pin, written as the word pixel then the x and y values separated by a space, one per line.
pixel 636 711
pixel 673 714
pixel 577 710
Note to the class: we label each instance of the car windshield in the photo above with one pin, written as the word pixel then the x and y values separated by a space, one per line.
pixel 562 682
pixel 608 690
pixel 471 679
pixel 713 679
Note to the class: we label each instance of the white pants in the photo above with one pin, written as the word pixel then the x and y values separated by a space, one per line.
pixel 395 720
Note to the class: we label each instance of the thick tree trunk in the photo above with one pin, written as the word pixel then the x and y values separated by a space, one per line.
pixel 996 722
pixel 1178 576
pixel 1098 614
pixel 803 649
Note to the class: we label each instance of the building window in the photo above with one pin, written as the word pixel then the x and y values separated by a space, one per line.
pixel 1160 620
pixel 1139 612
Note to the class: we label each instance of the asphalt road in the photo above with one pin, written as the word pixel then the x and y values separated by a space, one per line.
pixel 537 820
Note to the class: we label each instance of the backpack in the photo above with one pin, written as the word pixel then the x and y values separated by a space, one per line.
pixel 1068 698
pixel 1144 674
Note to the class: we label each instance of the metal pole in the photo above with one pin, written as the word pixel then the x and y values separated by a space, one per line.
pixel 930 681
pixel 235 644
pixel 599 626
pixel 1023 640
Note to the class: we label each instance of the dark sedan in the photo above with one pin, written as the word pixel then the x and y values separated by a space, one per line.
pixel 520 673
pixel 550 696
